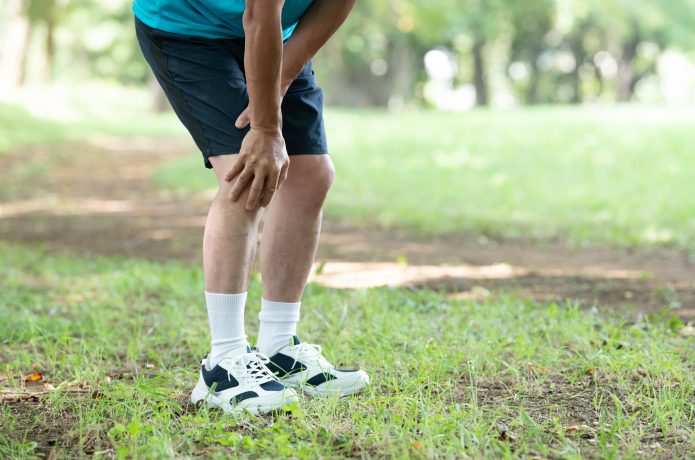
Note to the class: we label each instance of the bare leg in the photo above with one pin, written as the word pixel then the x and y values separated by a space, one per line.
pixel 292 226
pixel 229 241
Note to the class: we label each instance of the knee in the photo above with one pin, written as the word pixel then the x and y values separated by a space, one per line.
pixel 316 186
pixel 323 180
pixel 307 185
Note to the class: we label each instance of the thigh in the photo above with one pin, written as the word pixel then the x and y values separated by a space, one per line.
pixel 302 115
pixel 204 82
pixel 221 164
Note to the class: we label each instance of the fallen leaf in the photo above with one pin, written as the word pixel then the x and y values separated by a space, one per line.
pixel 688 331
pixel 416 444
pixel 542 370
pixel 48 387
pixel 590 371
pixel 33 377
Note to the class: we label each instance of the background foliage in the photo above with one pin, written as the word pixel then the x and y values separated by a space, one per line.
pixel 501 51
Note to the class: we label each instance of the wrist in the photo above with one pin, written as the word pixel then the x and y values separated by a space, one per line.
pixel 268 130
pixel 268 123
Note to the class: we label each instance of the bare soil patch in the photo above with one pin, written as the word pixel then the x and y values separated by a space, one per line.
pixel 96 198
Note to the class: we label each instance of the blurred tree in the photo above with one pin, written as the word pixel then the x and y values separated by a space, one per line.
pixel 14 39
pixel 546 50
pixel 624 27
pixel 481 22
pixel 531 22
pixel 376 57
pixel 47 13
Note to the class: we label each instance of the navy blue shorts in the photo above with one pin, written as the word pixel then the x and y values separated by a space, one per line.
pixel 205 83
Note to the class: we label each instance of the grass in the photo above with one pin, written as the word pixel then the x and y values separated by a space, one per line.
pixel 594 176
pixel 119 341
pixel 58 114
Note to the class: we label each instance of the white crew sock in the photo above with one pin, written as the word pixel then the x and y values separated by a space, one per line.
pixel 278 325
pixel 226 318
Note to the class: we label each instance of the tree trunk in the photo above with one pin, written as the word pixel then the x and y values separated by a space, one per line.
pixel 579 54
pixel 402 69
pixel 13 47
pixel 577 96
pixel 50 49
pixel 626 70
pixel 479 78
pixel 534 82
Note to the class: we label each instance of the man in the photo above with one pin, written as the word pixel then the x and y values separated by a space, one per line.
pixel 238 75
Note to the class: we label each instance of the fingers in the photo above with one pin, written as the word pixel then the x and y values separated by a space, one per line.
pixel 236 168
pixel 283 174
pixel 240 184
pixel 254 198
pixel 244 119
pixel 271 185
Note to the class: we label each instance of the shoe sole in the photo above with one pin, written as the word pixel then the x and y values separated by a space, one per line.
pixel 329 388
pixel 205 395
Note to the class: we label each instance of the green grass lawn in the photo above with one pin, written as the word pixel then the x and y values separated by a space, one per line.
pixel 617 176
pixel 87 113
pixel 119 340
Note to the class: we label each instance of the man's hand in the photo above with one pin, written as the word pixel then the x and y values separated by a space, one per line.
pixel 263 159
pixel 262 162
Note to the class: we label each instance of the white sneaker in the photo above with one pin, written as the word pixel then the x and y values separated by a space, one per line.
pixel 241 382
pixel 301 365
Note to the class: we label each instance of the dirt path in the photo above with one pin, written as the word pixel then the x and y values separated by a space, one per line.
pixel 96 198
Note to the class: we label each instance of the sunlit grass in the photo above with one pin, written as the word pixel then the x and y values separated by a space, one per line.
pixel 591 175
pixel 450 378
pixel 46 115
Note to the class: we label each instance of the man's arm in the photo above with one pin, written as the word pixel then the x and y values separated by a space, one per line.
pixel 262 161
pixel 317 25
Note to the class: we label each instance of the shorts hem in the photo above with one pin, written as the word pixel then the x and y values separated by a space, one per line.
pixel 315 150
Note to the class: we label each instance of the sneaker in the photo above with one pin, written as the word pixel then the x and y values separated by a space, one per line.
pixel 301 365
pixel 241 382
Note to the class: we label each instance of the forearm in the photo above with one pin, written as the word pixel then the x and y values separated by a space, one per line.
pixel 263 61
pixel 317 25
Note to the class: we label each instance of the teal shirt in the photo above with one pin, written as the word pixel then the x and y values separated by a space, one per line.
pixel 209 18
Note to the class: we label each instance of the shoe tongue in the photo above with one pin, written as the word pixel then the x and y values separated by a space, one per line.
pixel 294 340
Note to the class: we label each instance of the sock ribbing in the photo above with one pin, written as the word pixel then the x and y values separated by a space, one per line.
pixel 226 319
pixel 278 325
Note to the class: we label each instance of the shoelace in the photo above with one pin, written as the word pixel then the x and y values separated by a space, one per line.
pixel 310 351
pixel 254 364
